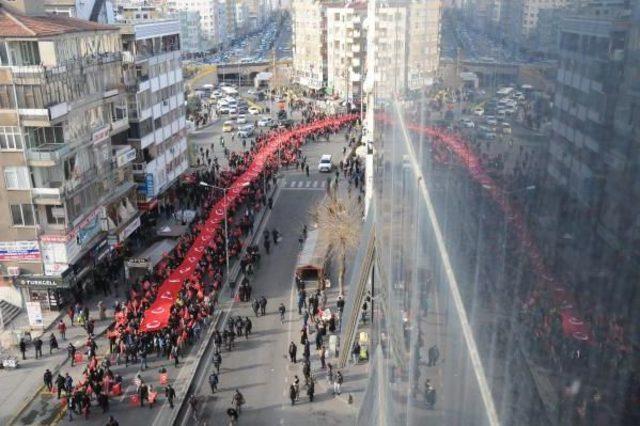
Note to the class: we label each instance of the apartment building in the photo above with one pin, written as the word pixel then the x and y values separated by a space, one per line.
pixel 592 155
pixel 61 105
pixel 90 10
pixel 423 42
pixel 153 78
pixel 309 41
pixel 210 23
pixel 191 37
pixel 346 50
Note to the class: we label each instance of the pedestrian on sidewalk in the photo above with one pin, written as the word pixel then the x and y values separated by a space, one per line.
pixel 48 379
pixel 112 422
pixel 434 354
pixel 337 384
pixel 292 394
pixel 62 329
pixel 263 304
pixel 23 348
pixel 53 343
pixel 143 393
pixel 282 310
pixel 37 344
pixel 248 325
pixel 72 313
pixel 170 393
pixel 60 384
pixel 255 305
pixel 71 350
pixel 311 390
pixel 217 360
pixel 293 349
pixel 356 353
pixel 213 382
pixel 323 364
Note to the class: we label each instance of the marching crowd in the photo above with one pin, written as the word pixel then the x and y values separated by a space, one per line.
pixel 197 300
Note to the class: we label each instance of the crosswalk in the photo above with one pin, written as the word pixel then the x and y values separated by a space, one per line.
pixel 310 184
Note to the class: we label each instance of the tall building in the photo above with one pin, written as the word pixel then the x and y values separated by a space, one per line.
pixel 309 41
pixel 191 38
pixel 346 50
pixel 66 188
pixel 592 169
pixel 153 78
pixel 90 10
pixel 209 17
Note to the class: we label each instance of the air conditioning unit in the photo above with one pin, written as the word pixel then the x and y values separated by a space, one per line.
pixel 13 271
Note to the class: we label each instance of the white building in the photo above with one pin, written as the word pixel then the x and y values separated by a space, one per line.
pixel 309 40
pixel 209 16
pixel 191 38
pixel 89 10
pixel 346 50
pixel 153 76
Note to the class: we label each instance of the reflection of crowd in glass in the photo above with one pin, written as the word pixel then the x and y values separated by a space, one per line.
pixel 602 367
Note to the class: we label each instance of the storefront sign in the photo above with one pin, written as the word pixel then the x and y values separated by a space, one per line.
pixel 39 282
pixel 129 229
pixel 126 157
pixel 64 281
pixel 34 312
pixel 55 269
pixel 149 187
pixel 18 251
pixel 100 135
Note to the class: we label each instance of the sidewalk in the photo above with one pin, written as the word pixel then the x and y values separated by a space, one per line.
pixel 22 386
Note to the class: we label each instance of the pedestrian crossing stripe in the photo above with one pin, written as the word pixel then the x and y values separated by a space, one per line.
pixel 305 184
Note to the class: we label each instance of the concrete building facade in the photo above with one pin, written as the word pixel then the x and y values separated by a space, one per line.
pixel 309 41
pixel 153 77
pixel 61 106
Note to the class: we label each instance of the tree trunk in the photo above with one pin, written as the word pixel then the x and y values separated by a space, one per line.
pixel 341 272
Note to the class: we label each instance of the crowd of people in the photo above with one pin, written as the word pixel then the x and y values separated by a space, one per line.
pixel 198 298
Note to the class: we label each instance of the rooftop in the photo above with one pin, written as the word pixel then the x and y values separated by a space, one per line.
pixel 16 25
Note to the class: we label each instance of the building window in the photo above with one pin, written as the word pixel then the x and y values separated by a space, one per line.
pixel 16 177
pixel 55 215
pixel 22 215
pixel 10 138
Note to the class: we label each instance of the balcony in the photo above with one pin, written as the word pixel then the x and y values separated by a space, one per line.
pixel 48 155
pixel 48 196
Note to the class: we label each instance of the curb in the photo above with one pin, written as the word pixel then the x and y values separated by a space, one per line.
pixel 56 369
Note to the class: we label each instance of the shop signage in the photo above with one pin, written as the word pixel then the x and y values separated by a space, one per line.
pixel 55 269
pixel 39 282
pixel 64 281
pixel 18 251
pixel 100 135
pixel 126 157
pixel 34 312
pixel 129 229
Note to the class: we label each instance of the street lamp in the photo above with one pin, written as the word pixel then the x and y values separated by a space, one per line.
pixel 226 228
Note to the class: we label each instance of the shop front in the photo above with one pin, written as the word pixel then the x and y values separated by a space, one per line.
pixel 53 293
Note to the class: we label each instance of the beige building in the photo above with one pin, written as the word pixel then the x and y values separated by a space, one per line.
pixel 346 46
pixel 309 40
pixel 66 187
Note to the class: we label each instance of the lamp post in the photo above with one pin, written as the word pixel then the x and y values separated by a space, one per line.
pixel 226 226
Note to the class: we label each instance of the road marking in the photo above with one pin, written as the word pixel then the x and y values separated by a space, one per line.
pixel 308 184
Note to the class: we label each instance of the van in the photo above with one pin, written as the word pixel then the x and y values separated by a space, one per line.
pixel 325 164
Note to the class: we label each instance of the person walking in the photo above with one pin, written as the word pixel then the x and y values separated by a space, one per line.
pixel 296 385
pixel 337 384
pixel 433 354
pixel 37 345
pixel 293 349
pixel 143 393
pixel 282 310
pixel 53 343
pixel 23 348
pixel 217 360
pixel 48 379
pixel 429 394
pixel 213 382
pixel 356 353
pixel 60 385
pixel 71 351
pixel 112 422
pixel 292 394
pixel 237 401
pixel 255 305
pixel 311 390
pixel 170 394
pixel 248 325
pixel 263 305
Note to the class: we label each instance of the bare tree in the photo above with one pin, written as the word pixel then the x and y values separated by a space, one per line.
pixel 339 219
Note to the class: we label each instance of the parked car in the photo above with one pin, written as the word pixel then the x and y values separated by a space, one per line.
pixel 478 111
pixel 265 121
pixel 228 126
pixel 241 119
pixel 254 111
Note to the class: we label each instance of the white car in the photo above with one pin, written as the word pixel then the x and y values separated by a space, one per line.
pixel 241 119
pixel 265 121
pixel 223 110
pixel 233 110
pixel 325 164
pixel 254 111
pixel 491 121
pixel 468 124
pixel 478 111
pixel 252 91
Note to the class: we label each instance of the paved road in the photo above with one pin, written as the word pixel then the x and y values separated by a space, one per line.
pixel 259 367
